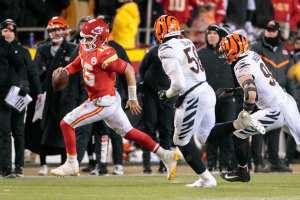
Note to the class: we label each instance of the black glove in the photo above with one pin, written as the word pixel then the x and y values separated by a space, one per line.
pixel 24 88
pixel 162 95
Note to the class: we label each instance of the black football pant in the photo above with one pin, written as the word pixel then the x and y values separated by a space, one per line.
pixel 157 116
pixel 222 148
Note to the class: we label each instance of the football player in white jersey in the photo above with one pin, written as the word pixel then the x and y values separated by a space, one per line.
pixel 276 107
pixel 195 107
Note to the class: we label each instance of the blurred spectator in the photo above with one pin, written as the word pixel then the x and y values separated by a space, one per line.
pixel 219 75
pixel 240 13
pixel 217 7
pixel 126 23
pixel 10 9
pixel 105 7
pixel 76 10
pixel 293 73
pixel 198 28
pixel 158 115
pixel 157 10
pixel 296 52
pixel 287 14
pixel 278 62
pixel 52 54
pixel 54 8
pixel 263 13
pixel 32 13
pixel 181 9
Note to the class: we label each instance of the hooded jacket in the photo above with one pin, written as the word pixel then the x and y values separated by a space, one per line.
pixel 125 25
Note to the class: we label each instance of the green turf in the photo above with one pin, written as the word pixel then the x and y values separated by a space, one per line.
pixel 262 186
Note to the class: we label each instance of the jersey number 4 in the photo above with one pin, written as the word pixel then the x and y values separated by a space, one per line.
pixel 192 57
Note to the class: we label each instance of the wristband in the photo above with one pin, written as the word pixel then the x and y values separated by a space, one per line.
pixel 132 92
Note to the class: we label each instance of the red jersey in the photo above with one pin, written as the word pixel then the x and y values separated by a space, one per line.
pixel 181 9
pixel 99 68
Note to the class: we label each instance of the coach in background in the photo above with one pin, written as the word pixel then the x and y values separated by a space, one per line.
pixel 51 54
pixel 25 75
pixel 278 62
pixel 158 115
pixel 219 75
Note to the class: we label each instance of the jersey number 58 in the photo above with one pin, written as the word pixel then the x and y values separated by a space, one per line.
pixel 192 57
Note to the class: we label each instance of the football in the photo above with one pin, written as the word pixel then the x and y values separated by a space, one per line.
pixel 60 79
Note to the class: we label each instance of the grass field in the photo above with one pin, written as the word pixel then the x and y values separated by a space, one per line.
pixel 262 186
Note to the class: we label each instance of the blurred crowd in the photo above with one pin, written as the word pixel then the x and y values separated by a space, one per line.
pixel 272 26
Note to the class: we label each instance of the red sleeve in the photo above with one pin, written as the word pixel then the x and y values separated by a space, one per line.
pixel 117 66
pixel 74 66
pixel 111 62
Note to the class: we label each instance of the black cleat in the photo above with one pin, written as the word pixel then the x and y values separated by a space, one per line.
pixel 241 174
pixel 19 172
pixel 91 166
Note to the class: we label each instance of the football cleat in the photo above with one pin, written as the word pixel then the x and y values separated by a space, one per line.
pixel 118 170
pixel 43 171
pixel 241 174
pixel 67 169
pixel 200 183
pixel 170 160
pixel 246 126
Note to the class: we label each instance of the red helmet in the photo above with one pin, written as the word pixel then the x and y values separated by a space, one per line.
pixel 94 32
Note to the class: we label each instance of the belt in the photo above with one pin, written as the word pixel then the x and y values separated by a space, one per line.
pixel 182 97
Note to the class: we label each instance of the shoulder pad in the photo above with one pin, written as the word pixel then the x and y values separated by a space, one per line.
pixel 106 55
pixel 166 51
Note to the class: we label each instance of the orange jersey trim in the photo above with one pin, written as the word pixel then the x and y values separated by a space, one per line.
pixel 85 116
pixel 275 65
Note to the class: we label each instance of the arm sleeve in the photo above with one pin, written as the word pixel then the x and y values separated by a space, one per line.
pixel 118 66
pixel 242 69
pixel 171 66
pixel 74 66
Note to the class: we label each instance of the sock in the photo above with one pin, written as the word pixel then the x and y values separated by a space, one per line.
pixel 241 148
pixel 220 130
pixel 69 138
pixel 206 175
pixel 144 140
pixel 192 156
pixel 71 158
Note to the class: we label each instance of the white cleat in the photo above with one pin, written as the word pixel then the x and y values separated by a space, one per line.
pixel 43 171
pixel 170 161
pixel 200 183
pixel 118 170
pixel 246 126
pixel 67 169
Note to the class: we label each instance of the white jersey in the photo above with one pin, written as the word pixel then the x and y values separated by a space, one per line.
pixel 181 63
pixel 269 92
